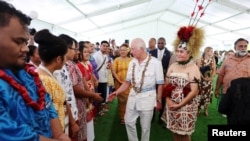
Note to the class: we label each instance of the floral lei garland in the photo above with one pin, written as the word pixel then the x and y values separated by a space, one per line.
pixel 24 92
pixel 167 90
pixel 142 78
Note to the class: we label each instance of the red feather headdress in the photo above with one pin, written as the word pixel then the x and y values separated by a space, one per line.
pixel 190 37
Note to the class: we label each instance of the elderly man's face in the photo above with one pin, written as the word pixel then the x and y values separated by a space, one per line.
pixel 241 48
pixel 136 51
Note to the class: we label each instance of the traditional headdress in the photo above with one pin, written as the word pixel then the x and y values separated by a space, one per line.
pixel 190 37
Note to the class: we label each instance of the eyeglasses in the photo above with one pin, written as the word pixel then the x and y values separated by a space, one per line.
pixel 161 43
pixel 76 49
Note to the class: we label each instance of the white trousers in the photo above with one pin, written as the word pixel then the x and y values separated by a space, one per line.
pixel 130 118
pixel 90 130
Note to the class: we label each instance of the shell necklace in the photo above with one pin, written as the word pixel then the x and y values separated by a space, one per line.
pixel 138 90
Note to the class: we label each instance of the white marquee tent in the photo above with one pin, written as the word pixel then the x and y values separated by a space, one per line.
pixel 224 21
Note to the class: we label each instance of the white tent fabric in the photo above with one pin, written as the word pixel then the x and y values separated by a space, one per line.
pixel 224 21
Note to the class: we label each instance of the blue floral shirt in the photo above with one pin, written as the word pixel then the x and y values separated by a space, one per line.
pixel 19 121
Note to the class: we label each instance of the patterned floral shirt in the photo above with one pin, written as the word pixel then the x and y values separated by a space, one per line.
pixel 63 78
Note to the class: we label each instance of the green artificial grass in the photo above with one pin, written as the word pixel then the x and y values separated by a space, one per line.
pixel 108 128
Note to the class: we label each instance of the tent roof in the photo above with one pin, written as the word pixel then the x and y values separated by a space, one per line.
pixel 95 20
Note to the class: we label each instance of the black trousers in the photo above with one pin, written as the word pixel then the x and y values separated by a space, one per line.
pixel 102 88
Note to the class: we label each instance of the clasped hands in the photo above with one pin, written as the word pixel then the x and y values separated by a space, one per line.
pixel 112 96
pixel 172 105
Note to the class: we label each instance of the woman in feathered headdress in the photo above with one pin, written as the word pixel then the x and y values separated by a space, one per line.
pixel 182 83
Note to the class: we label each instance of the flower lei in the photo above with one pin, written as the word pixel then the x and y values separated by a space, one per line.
pixel 168 90
pixel 142 78
pixel 24 92
pixel 170 87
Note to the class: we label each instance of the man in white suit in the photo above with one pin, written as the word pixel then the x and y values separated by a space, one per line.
pixel 143 74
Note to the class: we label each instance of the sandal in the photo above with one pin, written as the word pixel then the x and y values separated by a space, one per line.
pixel 101 113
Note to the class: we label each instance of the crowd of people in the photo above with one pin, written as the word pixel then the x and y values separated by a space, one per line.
pixel 53 87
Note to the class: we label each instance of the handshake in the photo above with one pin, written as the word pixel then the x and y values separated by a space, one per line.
pixel 112 96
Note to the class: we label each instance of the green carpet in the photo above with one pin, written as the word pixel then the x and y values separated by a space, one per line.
pixel 108 128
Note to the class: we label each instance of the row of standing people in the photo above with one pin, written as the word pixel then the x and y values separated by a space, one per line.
pixel 67 77
pixel 45 118
pixel 44 100
pixel 91 72
pixel 89 68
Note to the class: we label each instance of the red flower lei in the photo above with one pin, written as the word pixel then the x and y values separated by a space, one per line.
pixel 170 87
pixel 23 91
pixel 168 90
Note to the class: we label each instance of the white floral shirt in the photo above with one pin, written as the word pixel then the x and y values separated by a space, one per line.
pixel 63 78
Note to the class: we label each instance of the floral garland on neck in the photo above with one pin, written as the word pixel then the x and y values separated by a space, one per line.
pixel 142 77
pixel 24 92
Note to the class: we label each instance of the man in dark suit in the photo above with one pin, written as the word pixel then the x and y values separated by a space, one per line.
pixel 163 55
